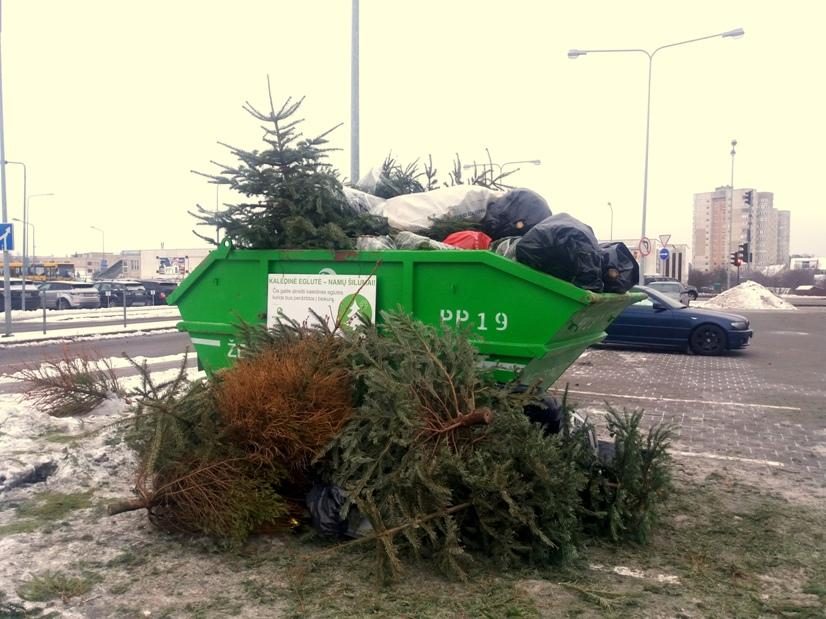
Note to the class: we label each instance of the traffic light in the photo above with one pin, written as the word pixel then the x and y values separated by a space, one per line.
pixel 745 256
pixel 735 258
pixel 747 197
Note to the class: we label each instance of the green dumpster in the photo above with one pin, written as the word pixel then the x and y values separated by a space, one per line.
pixel 526 324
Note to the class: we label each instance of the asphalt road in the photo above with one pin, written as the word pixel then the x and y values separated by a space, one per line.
pixel 14 357
pixel 765 405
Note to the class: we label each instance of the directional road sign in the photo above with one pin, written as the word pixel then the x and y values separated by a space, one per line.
pixel 7 237
pixel 664 253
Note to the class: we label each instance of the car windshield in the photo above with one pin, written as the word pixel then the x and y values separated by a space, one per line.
pixel 660 298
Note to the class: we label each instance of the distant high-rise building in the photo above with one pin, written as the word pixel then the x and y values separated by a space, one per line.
pixel 783 235
pixel 716 234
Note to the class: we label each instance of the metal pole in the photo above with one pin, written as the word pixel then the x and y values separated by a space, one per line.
pixel 25 231
pixel 354 96
pixel 730 216
pixel 102 246
pixel 6 274
pixel 645 176
pixel 576 53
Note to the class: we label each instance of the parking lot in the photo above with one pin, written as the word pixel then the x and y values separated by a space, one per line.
pixel 764 406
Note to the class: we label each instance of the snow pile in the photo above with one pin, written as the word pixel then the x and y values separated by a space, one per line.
pixel 748 296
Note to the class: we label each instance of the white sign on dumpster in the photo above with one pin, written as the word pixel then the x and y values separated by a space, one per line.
pixel 336 298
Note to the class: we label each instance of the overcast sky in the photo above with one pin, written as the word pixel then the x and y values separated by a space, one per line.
pixel 111 103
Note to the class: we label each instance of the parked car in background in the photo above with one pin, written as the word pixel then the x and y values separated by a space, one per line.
pixel 158 290
pixel 111 292
pixel 67 295
pixel 16 290
pixel 661 322
pixel 672 287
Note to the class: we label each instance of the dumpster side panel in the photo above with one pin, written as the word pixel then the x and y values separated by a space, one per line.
pixel 519 319
pixel 502 315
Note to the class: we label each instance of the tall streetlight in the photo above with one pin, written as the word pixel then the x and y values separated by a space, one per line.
pixel 573 54
pixel 102 245
pixel 26 226
pixel 730 214
pixel 354 94
pixel 3 210
pixel 501 166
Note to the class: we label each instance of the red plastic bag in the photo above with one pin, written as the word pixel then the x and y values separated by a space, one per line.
pixel 469 239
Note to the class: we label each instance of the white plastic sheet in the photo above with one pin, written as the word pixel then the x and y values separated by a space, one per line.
pixel 416 211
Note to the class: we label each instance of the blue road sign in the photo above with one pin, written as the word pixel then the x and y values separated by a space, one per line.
pixel 664 253
pixel 7 237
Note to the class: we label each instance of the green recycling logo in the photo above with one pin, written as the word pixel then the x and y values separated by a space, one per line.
pixel 350 308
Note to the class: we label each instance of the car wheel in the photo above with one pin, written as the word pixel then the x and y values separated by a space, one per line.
pixel 692 295
pixel 63 304
pixel 707 340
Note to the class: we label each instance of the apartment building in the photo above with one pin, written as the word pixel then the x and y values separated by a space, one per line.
pixel 717 231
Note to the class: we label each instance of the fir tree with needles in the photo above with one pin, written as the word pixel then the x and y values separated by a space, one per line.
pixel 294 196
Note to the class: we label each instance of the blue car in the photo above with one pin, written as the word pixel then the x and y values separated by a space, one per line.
pixel 662 322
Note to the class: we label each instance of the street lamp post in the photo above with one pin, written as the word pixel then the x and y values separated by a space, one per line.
pixel 731 216
pixel 102 245
pixel 354 94
pixel 26 226
pixel 573 54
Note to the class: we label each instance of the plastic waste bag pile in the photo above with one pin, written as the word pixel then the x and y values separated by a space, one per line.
pixel 517 224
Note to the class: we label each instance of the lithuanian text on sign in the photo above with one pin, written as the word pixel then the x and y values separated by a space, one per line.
pixel 333 297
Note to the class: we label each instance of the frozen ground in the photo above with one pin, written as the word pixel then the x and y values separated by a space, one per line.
pixel 744 419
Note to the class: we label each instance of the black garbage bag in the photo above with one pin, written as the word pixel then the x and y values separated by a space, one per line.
pixel 547 413
pixel 514 214
pixel 506 246
pixel 620 271
pixel 566 248
pixel 325 504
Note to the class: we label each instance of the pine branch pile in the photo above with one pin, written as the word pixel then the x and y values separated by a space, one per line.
pixel 444 464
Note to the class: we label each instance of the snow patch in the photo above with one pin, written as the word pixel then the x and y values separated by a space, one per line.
pixel 621 570
pixel 747 296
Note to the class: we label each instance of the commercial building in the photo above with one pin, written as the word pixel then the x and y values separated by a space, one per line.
pixel 173 264
pixel 717 232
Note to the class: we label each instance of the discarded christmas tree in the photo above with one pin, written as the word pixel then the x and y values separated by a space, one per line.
pixel 435 443
pixel 296 199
